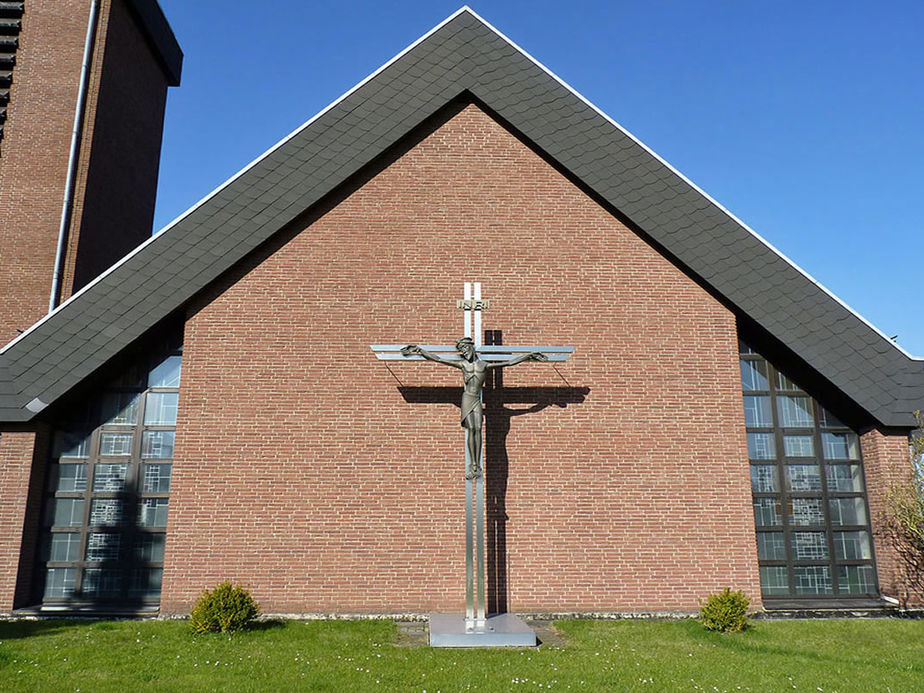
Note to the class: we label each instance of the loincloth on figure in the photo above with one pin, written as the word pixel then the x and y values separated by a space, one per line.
pixel 471 409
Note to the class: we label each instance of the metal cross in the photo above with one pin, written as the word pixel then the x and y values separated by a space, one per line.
pixel 495 356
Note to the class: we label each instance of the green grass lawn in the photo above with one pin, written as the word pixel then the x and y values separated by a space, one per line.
pixel 838 655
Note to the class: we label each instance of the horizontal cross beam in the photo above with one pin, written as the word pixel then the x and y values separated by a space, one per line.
pixel 392 352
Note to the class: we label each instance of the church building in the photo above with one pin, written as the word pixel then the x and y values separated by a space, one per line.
pixel 208 407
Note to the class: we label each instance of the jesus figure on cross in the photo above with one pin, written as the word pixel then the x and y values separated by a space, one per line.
pixel 474 371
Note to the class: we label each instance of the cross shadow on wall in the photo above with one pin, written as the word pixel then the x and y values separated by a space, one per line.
pixel 501 405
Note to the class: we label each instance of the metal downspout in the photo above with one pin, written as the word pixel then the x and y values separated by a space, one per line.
pixel 72 157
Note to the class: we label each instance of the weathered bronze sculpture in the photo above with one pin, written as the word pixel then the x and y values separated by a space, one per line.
pixel 474 371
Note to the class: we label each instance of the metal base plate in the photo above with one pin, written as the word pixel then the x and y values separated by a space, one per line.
pixel 501 630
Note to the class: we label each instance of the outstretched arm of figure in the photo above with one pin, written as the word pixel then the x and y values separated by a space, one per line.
pixel 533 356
pixel 414 349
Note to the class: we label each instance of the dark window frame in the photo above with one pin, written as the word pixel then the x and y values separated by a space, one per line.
pixel 783 496
pixel 89 422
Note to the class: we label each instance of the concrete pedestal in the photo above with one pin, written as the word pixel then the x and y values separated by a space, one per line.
pixel 501 630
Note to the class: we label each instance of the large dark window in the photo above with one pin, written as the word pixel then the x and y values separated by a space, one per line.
pixel 810 509
pixel 108 493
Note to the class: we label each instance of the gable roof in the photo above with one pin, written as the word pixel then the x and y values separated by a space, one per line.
pixel 462 55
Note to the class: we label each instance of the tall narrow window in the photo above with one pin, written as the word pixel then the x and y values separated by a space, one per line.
pixel 810 509
pixel 108 494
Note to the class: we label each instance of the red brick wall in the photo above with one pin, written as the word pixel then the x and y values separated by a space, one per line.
pixel 887 463
pixel 119 152
pixel 302 471
pixel 15 470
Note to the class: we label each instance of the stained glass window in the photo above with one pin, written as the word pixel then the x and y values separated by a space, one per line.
pixel 810 509
pixel 107 505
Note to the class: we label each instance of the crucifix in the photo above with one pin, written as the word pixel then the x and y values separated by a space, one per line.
pixel 475 360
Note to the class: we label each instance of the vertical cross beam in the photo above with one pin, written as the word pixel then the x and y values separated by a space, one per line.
pixel 474 488
pixel 479 484
pixel 469 492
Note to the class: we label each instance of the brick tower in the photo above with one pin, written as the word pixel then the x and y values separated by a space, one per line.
pixel 83 85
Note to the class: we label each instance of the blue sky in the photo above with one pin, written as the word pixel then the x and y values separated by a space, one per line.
pixel 804 119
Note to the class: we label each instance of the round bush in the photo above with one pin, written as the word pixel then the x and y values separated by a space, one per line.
pixel 725 611
pixel 226 609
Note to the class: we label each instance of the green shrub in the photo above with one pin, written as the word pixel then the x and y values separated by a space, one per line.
pixel 225 609
pixel 725 611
